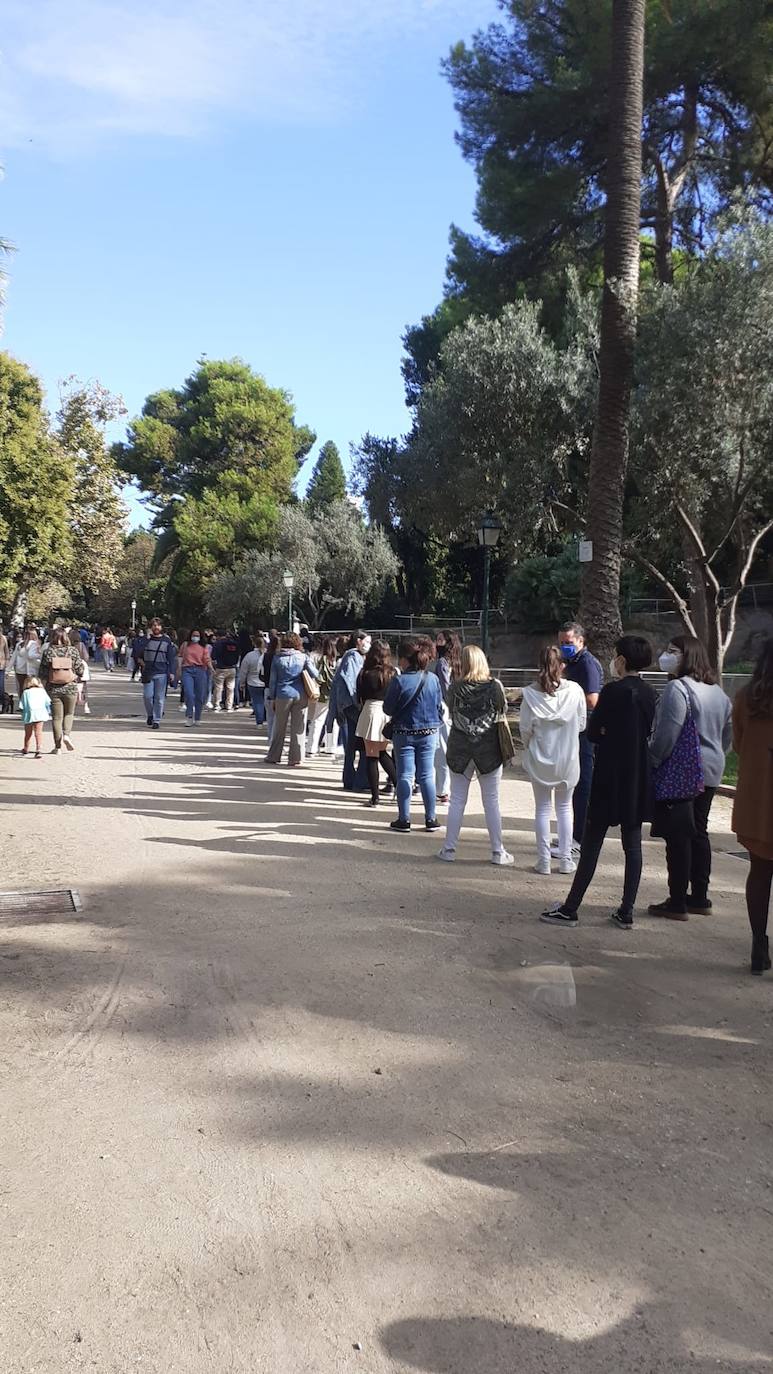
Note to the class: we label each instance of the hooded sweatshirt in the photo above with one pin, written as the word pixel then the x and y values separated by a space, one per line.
pixel 550 729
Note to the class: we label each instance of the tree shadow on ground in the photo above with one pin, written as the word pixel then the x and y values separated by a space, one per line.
pixel 648 1343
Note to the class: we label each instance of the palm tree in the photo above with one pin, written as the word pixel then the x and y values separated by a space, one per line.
pixel 600 608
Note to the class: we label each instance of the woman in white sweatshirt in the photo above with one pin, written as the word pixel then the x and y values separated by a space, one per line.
pixel 553 712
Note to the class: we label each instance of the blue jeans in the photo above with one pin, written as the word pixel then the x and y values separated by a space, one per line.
pixel 2 682
pixel 258 703
pixel 108 658
pixel 154 695
pixel 415 757
pixel 355 779
pixel 195 688
pixel 581 795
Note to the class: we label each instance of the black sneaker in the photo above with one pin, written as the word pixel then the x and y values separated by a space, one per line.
pixel 699 906
pixel 403 826
pixel 623 919
pixel 150 720
pixel 669 910
pixel 557 915
pixel 432 825
pixel 388 791
pixel 156 725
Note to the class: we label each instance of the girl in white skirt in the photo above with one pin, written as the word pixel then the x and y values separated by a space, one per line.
pixel 376 674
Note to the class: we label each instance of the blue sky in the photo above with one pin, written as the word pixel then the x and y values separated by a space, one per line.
pixel 272 179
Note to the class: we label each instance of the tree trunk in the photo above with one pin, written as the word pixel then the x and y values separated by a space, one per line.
pixel 600 609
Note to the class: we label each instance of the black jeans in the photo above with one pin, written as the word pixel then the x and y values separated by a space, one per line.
pixel 581 795
pixel 688 853
pixel 595 834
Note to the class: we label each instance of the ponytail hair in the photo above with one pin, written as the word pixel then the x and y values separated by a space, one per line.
pixel 551 669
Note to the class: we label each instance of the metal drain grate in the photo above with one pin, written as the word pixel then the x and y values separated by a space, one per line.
pixel 60 901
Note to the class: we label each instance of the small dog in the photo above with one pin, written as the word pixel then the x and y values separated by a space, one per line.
pixel 6 704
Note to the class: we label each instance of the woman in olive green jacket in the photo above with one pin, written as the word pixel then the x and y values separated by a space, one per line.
pixel 476 703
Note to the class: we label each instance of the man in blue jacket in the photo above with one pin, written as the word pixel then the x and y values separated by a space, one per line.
pixel 158 670
pixel 581 667
pixel 344 708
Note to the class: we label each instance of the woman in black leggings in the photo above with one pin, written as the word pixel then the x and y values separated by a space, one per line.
pixel 753 808
pixel 376 675
pixel 621 791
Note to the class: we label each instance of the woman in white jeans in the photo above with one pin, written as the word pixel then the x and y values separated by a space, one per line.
pixel 476 702
pixel 553 712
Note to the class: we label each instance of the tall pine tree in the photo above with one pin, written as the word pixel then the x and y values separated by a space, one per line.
pixel 328 480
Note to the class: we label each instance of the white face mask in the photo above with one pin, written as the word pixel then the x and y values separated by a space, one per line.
pixel 669 661
pixel 195 639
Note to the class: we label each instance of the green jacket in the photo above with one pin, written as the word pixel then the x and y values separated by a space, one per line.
pixel 476 708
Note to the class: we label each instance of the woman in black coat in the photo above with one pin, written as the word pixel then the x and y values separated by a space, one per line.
pixel 621 792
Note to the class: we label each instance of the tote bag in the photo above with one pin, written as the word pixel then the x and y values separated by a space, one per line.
pixel 680 777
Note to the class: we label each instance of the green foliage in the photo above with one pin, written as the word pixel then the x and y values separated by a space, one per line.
pixel 97 514
pixel 224 419
pixel 543 591
pixel 507 418
pixel 214 529
pixel 36 486
pixel 339 564
pixel 703 419
pixel 328 480
pixel 532 94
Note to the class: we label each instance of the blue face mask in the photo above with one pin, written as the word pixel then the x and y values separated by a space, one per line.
pixel 569 651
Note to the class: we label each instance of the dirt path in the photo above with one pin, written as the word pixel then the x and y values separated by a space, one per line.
pixel 287 1086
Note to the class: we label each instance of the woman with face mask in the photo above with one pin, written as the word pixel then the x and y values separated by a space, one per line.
pixel 195 663
pixel 693 693
pixel 621 790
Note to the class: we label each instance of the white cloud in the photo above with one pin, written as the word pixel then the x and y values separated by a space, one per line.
pixel 71 70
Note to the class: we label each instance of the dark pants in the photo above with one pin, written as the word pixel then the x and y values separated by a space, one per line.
pixel 581 795
pixel 593 839
pixel 2 682
pixel 355 778
pixel 688 853
pixel 758 886
pixel 258 703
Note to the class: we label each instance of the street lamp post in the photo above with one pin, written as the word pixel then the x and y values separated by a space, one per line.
pixel 489 531
pixel 134 612
pixel 289 582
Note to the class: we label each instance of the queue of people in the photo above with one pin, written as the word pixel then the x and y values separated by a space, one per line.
pixel 599 756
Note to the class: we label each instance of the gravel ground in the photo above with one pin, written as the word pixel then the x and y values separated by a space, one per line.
pixel 288 1096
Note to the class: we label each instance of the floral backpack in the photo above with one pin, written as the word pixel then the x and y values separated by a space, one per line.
pixel 680 777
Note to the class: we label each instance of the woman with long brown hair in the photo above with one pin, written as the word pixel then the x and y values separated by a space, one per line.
pixel 553 712
pixel 753 807
pixel 61 669
pixel 375 676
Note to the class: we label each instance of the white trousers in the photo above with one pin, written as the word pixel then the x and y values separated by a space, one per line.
pixel 543 807
pixel 317 718
pixel 441 765
pixel 489 791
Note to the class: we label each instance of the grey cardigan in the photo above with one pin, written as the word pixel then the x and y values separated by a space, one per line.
pixel 712 713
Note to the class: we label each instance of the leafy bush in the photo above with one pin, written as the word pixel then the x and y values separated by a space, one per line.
pixel 542 591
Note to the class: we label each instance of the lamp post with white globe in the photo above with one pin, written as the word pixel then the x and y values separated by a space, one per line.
pixel 289 582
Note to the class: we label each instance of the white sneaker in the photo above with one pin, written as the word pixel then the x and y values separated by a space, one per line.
pixel 447 855
pixel 187 721
pixel 567 866
pixel 210 707
pixel 56 750
pixel 503 859
pixel 87 709
pixel 68 744
pixel 556 853
pixel 543 868
pixel 182 706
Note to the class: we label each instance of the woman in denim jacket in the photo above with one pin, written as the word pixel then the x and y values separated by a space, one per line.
pixel 414 703
pixel 288 701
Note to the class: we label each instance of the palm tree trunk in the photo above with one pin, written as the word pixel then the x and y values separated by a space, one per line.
pixel 600 610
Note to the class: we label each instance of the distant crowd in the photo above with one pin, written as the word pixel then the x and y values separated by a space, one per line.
pixel 598 756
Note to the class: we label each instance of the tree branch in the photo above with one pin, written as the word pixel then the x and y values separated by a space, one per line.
pixel 682 609
pixel 699 547
pixel 751 553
